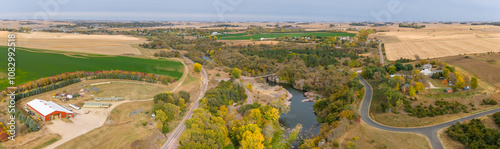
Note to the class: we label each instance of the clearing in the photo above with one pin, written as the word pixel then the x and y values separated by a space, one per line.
pixel 122 130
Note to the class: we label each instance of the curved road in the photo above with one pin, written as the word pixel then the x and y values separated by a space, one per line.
pixel 174 137
pixel 429 131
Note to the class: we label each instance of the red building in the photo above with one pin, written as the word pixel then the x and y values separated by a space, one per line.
pixel 48 110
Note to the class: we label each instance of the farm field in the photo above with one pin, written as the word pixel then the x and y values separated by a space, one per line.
pixel 244 36
pixel 35 64
pixel 96 44
pixel 484 66
pixel 439 40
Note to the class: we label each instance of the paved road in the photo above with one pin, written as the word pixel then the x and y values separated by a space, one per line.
pixel 429 131
pixel 172 140
pixel 381 53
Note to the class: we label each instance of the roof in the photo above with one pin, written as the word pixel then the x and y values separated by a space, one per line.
pixel 406 85
pixel 46 107
pixel 427 66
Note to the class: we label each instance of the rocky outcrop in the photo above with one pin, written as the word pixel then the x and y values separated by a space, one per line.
pixel 299 84
pixel 310 97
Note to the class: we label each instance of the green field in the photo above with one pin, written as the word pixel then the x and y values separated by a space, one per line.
pixel 244 36
pixel 35 64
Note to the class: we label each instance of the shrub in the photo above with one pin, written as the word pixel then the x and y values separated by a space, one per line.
pixel 489 102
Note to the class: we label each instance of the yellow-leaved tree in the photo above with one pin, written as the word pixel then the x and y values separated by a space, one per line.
pixel 460 80
pixel 197 67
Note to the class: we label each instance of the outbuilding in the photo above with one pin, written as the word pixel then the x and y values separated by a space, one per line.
pixel 48 110
pixel 405 87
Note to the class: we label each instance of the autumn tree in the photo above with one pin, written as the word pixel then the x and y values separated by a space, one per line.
pixel 160 115
pixel 460 83
pixel 444 82
pixel 236 73
pixel 474 82
pixel 252 140
pixel 391 69
pixel 419 86
pixel 204 130
pixel 446 71
pixel 197 67
pixel 354 63
pixel 411 91
pixel 249 86
pixel 181 103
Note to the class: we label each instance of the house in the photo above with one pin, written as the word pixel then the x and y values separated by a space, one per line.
pixel 48 110
pixel 405 87
pixel 449 90
pixel 426 72
pixel 427 67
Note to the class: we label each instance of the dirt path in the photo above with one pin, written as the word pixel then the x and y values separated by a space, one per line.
pixel 431 86
pixel 249 96
pixel 184 76
pixel 381 53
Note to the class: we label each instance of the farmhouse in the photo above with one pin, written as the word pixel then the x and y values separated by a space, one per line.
pixel 405 87
pixel 48 110
pixel 427 70
pixel 427 67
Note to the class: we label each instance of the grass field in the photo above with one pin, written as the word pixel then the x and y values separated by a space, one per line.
pixel 54 137
pixel 35 64
pixel 370 137
pixel 244 36
pixel 122 130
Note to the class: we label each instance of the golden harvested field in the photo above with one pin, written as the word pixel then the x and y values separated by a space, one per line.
pixel 96 44
pixel 439 40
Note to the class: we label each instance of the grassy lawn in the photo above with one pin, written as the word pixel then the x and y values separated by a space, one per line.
pixel 48 142
pixel 377 98
pixel 35 64
pixel 437 83
pixel 244 36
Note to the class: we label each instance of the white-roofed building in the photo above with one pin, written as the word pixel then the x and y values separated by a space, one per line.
pixel 48 110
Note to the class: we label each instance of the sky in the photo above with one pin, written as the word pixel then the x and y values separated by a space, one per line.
pixel 253 10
